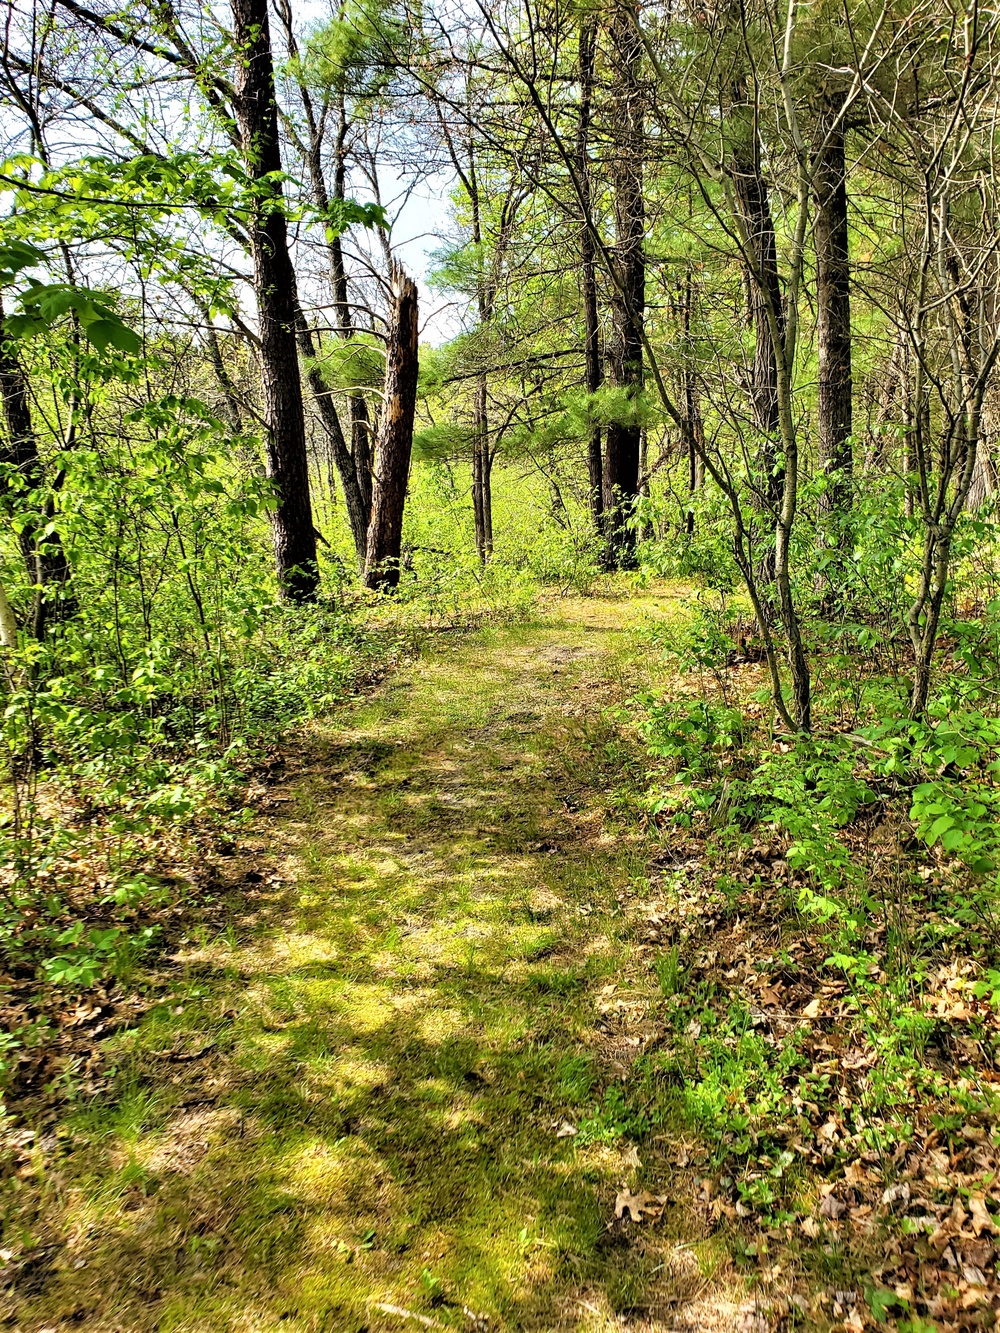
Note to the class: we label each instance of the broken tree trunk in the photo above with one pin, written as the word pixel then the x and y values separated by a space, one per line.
pixel 395 439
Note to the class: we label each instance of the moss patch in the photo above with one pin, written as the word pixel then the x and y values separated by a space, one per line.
pixel 358 1110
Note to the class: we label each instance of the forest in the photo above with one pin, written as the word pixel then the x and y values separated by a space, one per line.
pixel 500 665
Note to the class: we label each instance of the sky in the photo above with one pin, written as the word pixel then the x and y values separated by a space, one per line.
pixel 421 227
pixel 421 218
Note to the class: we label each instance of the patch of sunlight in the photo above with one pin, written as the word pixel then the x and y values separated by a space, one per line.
pixel 433 947
pixel 341 1074
pixel 259 1050
pixel 529 941
pixel 438 1025
pixel 437 1091
pixel 288 949
pixel 324 1173
pixel 365 1006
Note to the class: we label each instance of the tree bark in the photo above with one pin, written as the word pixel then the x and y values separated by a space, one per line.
pixel 833 326
pixel 624 356
pixel 222 375
pixel 588 268
pixel 694 424
pixel 357 511
pixel 274 282
pixel 764 288
pixel 482 499
pixel 8 621
pixel 361 430
pixel 44 557
pixel 395 439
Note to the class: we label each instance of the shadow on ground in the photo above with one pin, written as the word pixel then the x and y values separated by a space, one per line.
pixel 356 1111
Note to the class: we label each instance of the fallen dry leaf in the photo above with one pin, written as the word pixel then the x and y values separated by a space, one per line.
pixel 897 1194
pixel 981 1220
pixel 639 1207
pixel 832 1208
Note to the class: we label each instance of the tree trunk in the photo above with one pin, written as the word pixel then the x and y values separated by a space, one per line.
pixel 8 621
pixel 696 442
pixel 357 511
pixel 833 327
pixel 222 375
pixel 621 460
pixel 771 396
pixel 481 498
pixel 764 289
pixel 44 558
pixel 353 463
pixel 274 283
pixel 588 269
pixel 694 425
pixel 395 439
pixel 361 431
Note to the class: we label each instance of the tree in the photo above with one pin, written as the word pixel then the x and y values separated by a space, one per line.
pixel 834 406
pixel 395 438
pixel 624 352
pixel 593 370
pixel 22 473
pixel 274 282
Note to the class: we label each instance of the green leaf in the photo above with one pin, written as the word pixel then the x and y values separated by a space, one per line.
pixel 110 331
pixel 880 1302
pixel 15 256
pixel 940 826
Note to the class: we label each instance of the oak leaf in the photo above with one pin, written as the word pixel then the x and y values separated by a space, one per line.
pixel 638 1207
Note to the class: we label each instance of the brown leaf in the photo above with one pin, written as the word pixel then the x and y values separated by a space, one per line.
pixel 639 1207
pixel 832 1208
pixel 981 1220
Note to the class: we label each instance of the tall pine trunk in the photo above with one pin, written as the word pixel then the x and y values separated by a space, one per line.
pixel 482 455
pixel 624 355
pixel 833 326
pixel 274 283
pixel 763 291
pixel 395 439
pixel 588 267
pixel 351 456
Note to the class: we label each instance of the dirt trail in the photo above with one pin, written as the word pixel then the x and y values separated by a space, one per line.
pixel 390 1095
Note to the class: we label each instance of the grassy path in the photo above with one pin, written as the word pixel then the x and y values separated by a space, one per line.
pixel 354 1110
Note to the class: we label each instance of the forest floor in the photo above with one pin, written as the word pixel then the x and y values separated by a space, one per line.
pixel 394 1090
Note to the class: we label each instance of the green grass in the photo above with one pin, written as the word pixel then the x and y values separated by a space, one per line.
pixel 355 1103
